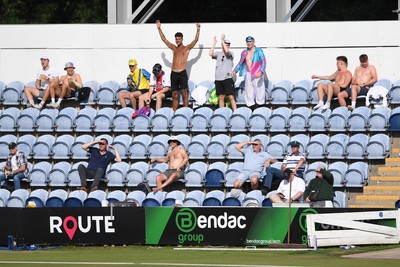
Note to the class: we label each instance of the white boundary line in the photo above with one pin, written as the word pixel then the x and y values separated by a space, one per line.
pixel 247 249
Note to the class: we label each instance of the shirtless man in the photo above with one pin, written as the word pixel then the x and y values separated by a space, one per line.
pixel 179 77
pixel 364 77
pixel 342 79
pixel 177 159
pixel 67 86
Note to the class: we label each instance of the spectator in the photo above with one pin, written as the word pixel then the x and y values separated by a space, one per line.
pixel 254 162
pixel 177 160
pixel 98 162
pixel 364 78
pixel 179 77
pixel 68 85
pixel 320 188
pixel 290 189
pixel 271 173
pixel 160 87
pixel 46 78
pixel 342 79
pixel 252 64
pixel 138 84
pixel 16 166
pixel 295 161
pixel 224 83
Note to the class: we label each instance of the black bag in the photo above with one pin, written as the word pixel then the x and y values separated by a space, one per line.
pixel 143 186
pixel 314 194
pixel 83 93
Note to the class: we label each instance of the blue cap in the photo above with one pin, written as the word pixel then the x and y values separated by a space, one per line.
pixel 294 143
pixel 249 39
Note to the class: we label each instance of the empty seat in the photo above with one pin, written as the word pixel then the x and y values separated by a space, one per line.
pixel 200 120
pixel 394 120
pixel 277 146
pixel 336 147
pixel 136 173
pixel 251 197
pixel 379 119
pixel 171 198
pixel 56 198
pixel 239 91
pixel 38 176
pixel 231 151
pixel 12 93
pixel 339 199
pixel 84 120
pixel 197 147
pixel 154 199
pixel 65 121
pixel 121 144
pixel 185 140
pixel 180 121
pixel 25 144
pixel 378 146
pixel 299 94
pixel 298 120
pixel 136 196
pixel 233 201
pixel 310 171
pixel 116 196
pixel 358 119
pixel 239 120
pixel 215 176
pixel 385 83
pixel 154 170
pixel 58 175
pixel 62 147
pixel 75 199
pixel 94 87
pixel 161 121
pixel 394 93
pixel 116 175
pixel 26 121
pixel 76 151
pixel 357 174
pixel 338 170
pixel 106 93
pixel 214 198
pixel 280 93
pixel 38 196
pixel 233 171
pixel 42 147
pixel 8 119
pixel 45 121
pixel 2 86
pixel 220 119
pixel 102 122
pixel 4 195
pixel 356 146
pixel 4 141
pixel 316 148
pixel 122 121
pixel 18 198
pixel 318 120
pixel 337 121
pixel 216 148
pixel 138 147
pixel 95 199
pixel 278 121
pixel 259 120
pixel 194 199
pixel 195 174
pixel 158 147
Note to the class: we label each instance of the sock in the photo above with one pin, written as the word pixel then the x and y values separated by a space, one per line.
pixel 41 103
pixel 53 100
pixel 328 104
pixel 59 101
pixel 353 104
pixel 320 102
pixel 31 102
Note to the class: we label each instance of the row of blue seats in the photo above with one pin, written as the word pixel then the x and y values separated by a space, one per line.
pixel 78 198
pixel 283 92
pixel 204 119
pixel 197 174
pixel 202 146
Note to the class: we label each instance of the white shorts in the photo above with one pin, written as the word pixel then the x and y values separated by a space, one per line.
pixel 254 90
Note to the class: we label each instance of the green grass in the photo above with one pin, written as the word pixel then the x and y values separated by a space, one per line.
pixel 141 254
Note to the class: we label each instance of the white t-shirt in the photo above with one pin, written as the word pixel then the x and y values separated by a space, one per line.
pixel 298 185
pixel 14 163
pixel 161 82
pixel 45 75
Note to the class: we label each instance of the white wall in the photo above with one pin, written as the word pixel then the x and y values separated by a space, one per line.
pixel 294 51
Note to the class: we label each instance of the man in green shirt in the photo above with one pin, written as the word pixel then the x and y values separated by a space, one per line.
pixel 320 188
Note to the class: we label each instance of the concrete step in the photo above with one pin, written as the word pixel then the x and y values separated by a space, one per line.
pixel 384 180
pixel 392 162
pixel 382 190
pixel 388 171
pixel 369 201
pixel 396 150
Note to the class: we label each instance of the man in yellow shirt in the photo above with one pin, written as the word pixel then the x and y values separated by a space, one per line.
pixel 138 84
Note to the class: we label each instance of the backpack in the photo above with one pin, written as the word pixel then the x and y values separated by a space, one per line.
pixel 83 93
pixel 143 111
pixel 146 74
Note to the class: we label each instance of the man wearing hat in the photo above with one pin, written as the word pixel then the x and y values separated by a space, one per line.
pixel 177 159
pixel 16 166
pixel 224 83
pixel 46 78
pixel 290 189
pixel 137 84
pixel 320 189
pixel 69 83
pixel 252 65
pixel 295 161
pixel 160 87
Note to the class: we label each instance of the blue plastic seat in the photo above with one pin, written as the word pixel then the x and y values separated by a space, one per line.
pixel 337 121
pixel 8 119
pixel 171 198
pixel 95 199
pixel 2 86
pixel 76 151
pixel 94 86
pixel 84 120
pixel 73 175
pixel 38 196
pixel 385 83
pixel 316 148
pixel 200 121
pixel 158 147
pixel 340 199
pixel 56 198
pixel 378 146
pixel 136 173
pixel 65 121
pixel 102 122
pixel 280 93
pixel 259 120
pixel 26 121
pixel 310 171
pixel 161 121
pixel 298 120
pixel 45 121
pixel 358 119
pixel 154 199
pixel 318 120
pixel 138 147
pixel 254 195
pixel 239 91
pixel 214 198
pixel 231 201
pixel 195 174
pixel 338 170
pixel 106 94
pixel 357 174
pixel 356 146
pixel 116 196
pixel 75 199
pixel 142 123
pixel 18 198
pixel 239 120
pixel 12 93
pixel 39 175
pixel 231 151
pixel 394 93
pixel 42 148
pixel 278 121
pixel 277 146
pixel 216 148
pixel 136 196
pixel 220 119
pixel 122 121
pixel 379 120
pixel 300 92
pixel 180 120
pixel 302 139
pixel 154 170
pixel 116 175
pixel 62 147
pixel 233 171
pixel 264 140
pixel 194 199
pixel 197 147
pixel 394 120
pixel 313 97
pixel 336 147
pixel 4 141
pixel 25 144
pixel 184 139
pixel 58 175
pixel 121 144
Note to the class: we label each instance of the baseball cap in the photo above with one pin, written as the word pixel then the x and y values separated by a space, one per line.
pixel 294 143
pixel 286 173
pixel 227 41
pixel 157 67
pixel 12 145
pixel 69 65
pixel 132 62
pixel 45 57
pixel 249 39
pixel 174 138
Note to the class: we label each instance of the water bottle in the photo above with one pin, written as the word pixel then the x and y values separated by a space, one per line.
pixel 315 243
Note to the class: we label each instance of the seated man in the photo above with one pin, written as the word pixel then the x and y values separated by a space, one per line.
pixel 177 160
pixel 364 78
pixel 137 85
pixel 295 161
pixel 46 78
pixel 69 83
pixel 254 162
pixel 342 79
pixel 16 166
pixel 320 188
pixel 284 194
pixel 160 87
pixel 98 162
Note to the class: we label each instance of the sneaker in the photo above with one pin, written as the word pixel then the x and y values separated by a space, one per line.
pixel 38 106
pixel 325 106
pixel 350 108
pixel 146 184
pixel 235 193
pixel 56 105
pixel 28 105
pixel 265 191
pixel 318 106
pixel 50 105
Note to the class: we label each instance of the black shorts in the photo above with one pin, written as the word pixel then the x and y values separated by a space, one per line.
pixel 168 94
pixel 143 91
pixel 225 87
pixel 179 80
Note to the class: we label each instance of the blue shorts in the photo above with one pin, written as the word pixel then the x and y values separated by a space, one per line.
pixel 363 91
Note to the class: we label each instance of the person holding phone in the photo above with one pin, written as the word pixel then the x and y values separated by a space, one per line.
pixel 98 162
pixel 287 193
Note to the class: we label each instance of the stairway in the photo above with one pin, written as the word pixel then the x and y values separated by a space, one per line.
pixel 384 188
